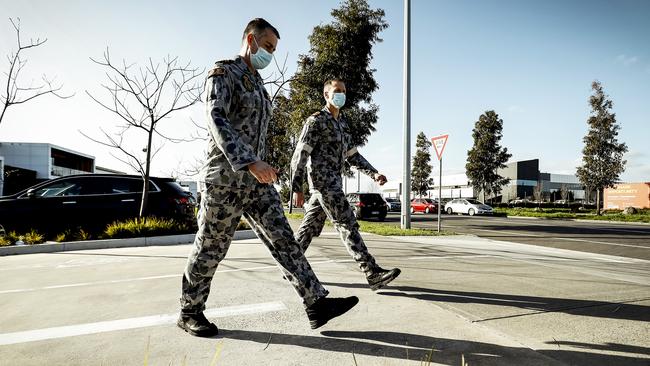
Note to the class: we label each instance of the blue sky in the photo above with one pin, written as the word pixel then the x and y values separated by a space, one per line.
pixel 533 62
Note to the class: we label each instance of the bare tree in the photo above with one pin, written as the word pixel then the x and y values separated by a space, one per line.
pixel 564 193
pixel 13 93
pixel 278 80
pixel 141 98
pixel 538 193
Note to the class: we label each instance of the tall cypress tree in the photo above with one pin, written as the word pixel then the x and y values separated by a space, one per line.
pixel 487 155
pixel 602 155
pixel 421 181
pixel 341 49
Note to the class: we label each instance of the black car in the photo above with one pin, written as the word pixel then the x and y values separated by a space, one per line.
pixel 368 205
pixel 91 201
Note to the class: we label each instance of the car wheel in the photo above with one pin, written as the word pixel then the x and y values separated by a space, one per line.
pixel 426 210
pixel 449 211
pixel 471 212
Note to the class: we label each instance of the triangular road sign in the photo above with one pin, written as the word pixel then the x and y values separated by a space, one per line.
pixel 439 144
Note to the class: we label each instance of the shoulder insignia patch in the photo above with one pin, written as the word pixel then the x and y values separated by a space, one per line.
pixel 248 84
pixel 217 71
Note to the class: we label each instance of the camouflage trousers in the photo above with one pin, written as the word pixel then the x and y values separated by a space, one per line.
pixel 335 206
pixel 219 213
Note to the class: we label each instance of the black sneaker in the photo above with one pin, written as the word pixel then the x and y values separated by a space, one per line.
pixel 197 324
pixel 326 309
pixel 381 277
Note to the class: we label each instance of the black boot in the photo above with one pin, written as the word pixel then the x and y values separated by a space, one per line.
pixel 196 324
pixel 380 277
pixel 326 309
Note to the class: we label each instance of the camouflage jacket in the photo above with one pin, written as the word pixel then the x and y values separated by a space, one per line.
pixel 239 111
pixel 323 150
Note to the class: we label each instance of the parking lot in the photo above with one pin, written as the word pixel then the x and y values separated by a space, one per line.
pixel 492 302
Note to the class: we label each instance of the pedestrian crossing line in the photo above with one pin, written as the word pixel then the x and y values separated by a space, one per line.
pixel 132 323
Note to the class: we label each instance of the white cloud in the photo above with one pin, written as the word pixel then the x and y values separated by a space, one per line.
pixel 627 60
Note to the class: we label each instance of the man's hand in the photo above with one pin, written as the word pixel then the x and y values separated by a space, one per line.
pixel 299 198
pixel 263 172
pixel 381 179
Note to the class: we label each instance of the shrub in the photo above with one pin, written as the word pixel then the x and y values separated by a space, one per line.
pixel 4 241
pixel 33 237
pixel 149 226
pixel 12 236
pixel 69 235
pixel 243 225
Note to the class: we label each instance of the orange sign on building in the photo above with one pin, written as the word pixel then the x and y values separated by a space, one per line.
pixel 627 195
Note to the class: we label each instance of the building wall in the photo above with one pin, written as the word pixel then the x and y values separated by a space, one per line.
pixel 34 157
pixel 39 157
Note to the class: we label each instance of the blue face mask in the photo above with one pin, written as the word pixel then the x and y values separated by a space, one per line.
pixel 262 58
pixel 338 100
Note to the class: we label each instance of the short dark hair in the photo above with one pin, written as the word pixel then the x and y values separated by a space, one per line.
pixel 331 82
pixel 257 26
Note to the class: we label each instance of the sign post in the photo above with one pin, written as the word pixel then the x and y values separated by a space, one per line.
pixel 439 143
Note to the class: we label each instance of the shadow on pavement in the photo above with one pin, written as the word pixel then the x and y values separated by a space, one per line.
pixel 624 309
pixel 405 346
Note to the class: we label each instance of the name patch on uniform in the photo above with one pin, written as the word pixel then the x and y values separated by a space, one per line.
pixel 248 84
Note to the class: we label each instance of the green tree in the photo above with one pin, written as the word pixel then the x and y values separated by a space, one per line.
pixel 421 181
pixel 487 155
pixel 602 155
pixel 341 49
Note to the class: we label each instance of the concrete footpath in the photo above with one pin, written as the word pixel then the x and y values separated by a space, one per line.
pixel 493 303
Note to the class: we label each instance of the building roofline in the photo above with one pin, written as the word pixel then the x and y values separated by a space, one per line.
pixel 51 146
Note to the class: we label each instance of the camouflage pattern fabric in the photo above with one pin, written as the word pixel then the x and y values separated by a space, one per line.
pixel 323 150
pixel 220 212
pixel 239 111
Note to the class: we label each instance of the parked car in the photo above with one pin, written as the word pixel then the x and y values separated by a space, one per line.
pixel 520 202
pixel 368 205
pixel 468 206
pixel 426 205
pixel 91 201
pixel 394 204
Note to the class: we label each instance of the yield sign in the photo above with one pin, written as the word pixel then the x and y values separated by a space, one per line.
pixel 439 144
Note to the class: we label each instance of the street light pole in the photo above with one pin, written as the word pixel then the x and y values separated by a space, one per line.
pixel 406 179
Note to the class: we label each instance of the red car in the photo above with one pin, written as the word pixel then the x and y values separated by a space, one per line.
pixel 425 205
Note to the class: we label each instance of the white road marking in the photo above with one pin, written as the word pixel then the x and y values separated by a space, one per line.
pixel 584 225
pixel 131 323
pixel 604 242
pixel 508 232
pixel 82 284
pixel 449 256
pixel 569 239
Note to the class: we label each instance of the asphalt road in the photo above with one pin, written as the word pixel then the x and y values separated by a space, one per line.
pixel 492 302
pixel 620 239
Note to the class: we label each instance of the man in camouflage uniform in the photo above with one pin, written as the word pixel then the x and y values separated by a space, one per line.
pixel 238 182
pixel 323 149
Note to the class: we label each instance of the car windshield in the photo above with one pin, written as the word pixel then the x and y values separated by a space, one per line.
pixel 372 198
pixel 474 202
pixel 429 200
